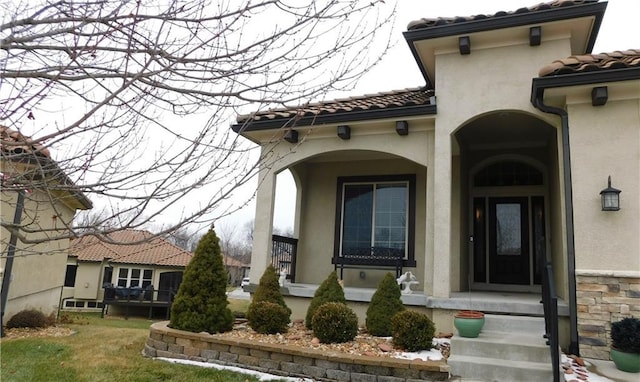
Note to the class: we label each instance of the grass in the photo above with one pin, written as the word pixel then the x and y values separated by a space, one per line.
pixel 106 349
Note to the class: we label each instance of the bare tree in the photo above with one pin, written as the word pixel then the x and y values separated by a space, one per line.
pixel 129 102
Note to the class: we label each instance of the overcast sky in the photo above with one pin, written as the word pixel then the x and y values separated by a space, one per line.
pixel 617 32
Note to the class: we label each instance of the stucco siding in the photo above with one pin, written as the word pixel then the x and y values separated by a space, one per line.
pixel 88 280
pixel 38 269
pixel 605 141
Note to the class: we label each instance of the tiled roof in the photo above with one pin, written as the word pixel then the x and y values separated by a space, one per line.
pixel 593 62
pixel 369 102
pixel 149 251
pixel 231 262
pixel 440 21
pixel 12 142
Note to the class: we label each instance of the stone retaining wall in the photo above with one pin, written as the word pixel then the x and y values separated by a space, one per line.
pixel 288 361
pixel 603 298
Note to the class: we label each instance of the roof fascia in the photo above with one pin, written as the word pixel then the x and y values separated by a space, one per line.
pixel 508 21
pixel 539 84
pixel 327 119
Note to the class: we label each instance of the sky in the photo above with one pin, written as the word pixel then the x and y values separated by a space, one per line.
pixel 617 32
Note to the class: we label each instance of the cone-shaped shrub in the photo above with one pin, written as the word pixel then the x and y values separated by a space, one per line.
pixel 201 303
pixel 268 290
pixel 412 331
pixel 385 302
pixel 329 291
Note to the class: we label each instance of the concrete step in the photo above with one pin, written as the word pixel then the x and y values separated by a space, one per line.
pixel 492 369
pixel 503 346
pixel 517 324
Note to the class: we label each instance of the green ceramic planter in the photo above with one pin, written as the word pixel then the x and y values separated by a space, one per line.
pixel 469 325
pixel 629 362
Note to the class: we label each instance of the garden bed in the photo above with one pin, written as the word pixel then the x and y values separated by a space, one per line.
pixel 295 354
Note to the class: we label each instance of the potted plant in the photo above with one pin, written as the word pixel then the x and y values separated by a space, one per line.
pixel 469 323
pixel 625 344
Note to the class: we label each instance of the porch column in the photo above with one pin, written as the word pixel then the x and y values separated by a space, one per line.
pixel 263 223
pixel 442 214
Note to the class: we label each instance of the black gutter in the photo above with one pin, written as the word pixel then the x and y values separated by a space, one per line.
pixel 8 266
pixel 333 118
pixel 539 85
pixel 506 21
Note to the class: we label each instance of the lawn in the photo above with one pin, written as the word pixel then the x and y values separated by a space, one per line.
pixel 106 349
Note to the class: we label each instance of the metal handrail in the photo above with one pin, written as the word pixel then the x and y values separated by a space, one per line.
pixel 284 253
pixel 550 305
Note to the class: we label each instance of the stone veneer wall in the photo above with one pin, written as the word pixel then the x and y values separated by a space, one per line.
pixel 288 361
pixel 603 298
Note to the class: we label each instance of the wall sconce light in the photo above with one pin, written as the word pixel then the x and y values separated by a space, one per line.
pixel 599 96
pixel 291 136
pixel 464 45
pixel 535 36
pixel 402 127
pixel 344 132
pixel 610 197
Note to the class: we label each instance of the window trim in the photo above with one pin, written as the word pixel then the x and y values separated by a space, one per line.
pixel 411 210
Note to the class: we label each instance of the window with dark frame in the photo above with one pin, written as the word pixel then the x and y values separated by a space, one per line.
pixel 134 277
pixel 376 211
pixel 70 276
pixel 107 276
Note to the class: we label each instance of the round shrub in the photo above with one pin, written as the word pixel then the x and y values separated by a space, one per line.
pixel 334 322
pixel 385 302
pixel 625 335
pixel 28 318
pixel 268 317
pixel 412 331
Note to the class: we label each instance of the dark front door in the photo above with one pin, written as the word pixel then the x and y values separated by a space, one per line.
pixel 509 257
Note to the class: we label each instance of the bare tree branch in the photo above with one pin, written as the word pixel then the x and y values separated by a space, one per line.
pixel 129 103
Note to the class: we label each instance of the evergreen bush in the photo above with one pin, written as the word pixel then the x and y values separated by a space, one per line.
pixel 625 335
pixel 28 318
pixel 269 289
pixel 201 302
pixel 268 318
pixel 412 331
pixel 385 302
pixel 329 291
pixel 335 322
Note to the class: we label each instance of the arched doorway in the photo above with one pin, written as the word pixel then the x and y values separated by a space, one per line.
pixel 507 159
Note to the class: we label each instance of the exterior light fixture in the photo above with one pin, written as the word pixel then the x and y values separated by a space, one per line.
pixel 291 136
pixel 610 197
pixel 344 132
pixel 599 96
pixel 464 45
pixel 535 36
pixel 402 127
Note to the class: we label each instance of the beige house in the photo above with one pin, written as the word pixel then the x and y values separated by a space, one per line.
pixel 476 180
pixel 127 269
pixel 39 199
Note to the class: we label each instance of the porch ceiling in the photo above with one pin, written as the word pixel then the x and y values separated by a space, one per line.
pixel 506 128
pixel 351 155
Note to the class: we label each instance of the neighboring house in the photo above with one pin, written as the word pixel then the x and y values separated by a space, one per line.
pixel 236 270
pixel 35 190
pixel 472 178
pixel 120 269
